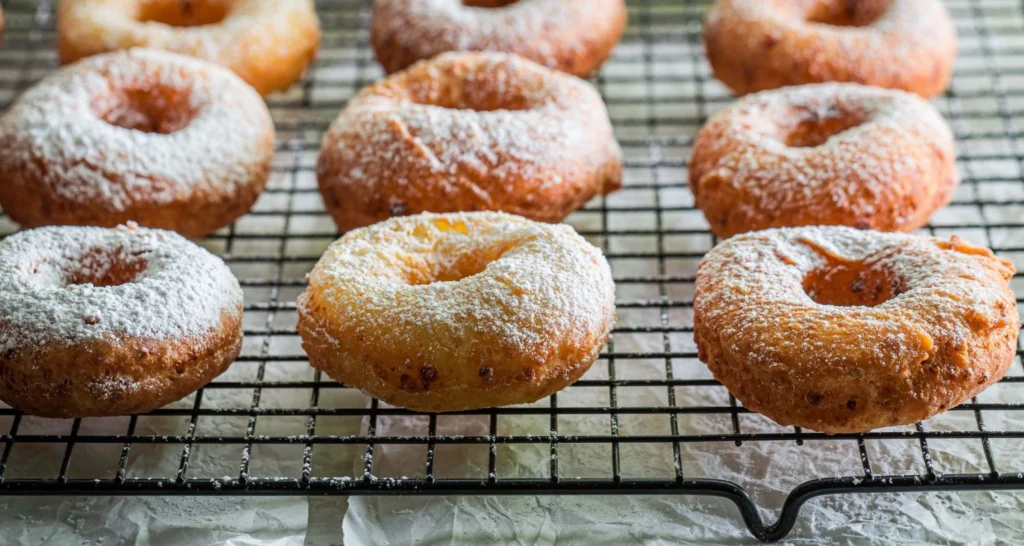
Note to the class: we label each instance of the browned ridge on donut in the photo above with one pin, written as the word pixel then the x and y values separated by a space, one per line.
pixel 469 132
pixel 823 154
pixel 268 43
pixel 574 36
pixel 842 330
pixel 754 45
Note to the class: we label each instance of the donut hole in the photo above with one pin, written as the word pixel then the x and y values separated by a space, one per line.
pixel 478 92
pixel 846 13
pixel 162 110
pixel 488 3
pixel 852 285
pixel 184 13
pixel 103 267
pixel 812 130
pixel 458 269
pixel 478 98
pixel 455 268
pixel 452 261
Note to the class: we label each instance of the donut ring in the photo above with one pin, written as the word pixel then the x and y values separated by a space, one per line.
pixel 458 311
pixel 465 132
pixel 97 322
pixel 165 140
pixel 755 45
pixel 574 36
pixel 840 330
pixel 824 154
pixel 269 43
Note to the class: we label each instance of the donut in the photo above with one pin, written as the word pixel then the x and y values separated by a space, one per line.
pixel 448 312
pixel 823 154
pixel 99 322
pixel 269 43
pixel 574 36
pixel 469 132
pixel 165 140
pixel 755 45
pixel 841 330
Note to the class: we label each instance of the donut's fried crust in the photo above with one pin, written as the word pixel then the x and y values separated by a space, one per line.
pixel 421 384
pixel 195 214
pixel 117 376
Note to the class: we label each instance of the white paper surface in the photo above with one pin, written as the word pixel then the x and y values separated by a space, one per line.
pixel 769 471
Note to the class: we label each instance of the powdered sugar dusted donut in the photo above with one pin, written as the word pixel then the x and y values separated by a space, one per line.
pixel 465 132
pixel 445 312
pixel 824 154
pixel 97 321
pixel 842 330
pixel 269 43
pixel 165 140
pixel 574 36
pixel 755 45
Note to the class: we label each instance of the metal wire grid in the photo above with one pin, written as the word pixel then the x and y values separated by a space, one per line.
pixel 659 92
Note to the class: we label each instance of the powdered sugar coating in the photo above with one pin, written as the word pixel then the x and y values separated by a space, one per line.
pixel 889 171
pixel 765 44
pixel 469 131
pixel 555 33
pixel 268 43
pixel 546 279
pixel 468 303
pixel 182 291
pixel 54 137
pixel 948 330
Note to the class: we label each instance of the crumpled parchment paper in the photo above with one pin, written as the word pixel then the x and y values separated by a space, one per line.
pixel 769 470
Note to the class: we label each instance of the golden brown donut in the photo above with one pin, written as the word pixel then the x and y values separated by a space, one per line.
pixel 97 322
pixel 841 330
pixel 755 45
pixel 447 312
pixel 823 154
pixel 574 36
pixel 269 43
pixel 165 140
pixel 465 132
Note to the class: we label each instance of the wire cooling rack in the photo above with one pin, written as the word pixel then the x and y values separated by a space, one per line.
pixel 271 406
